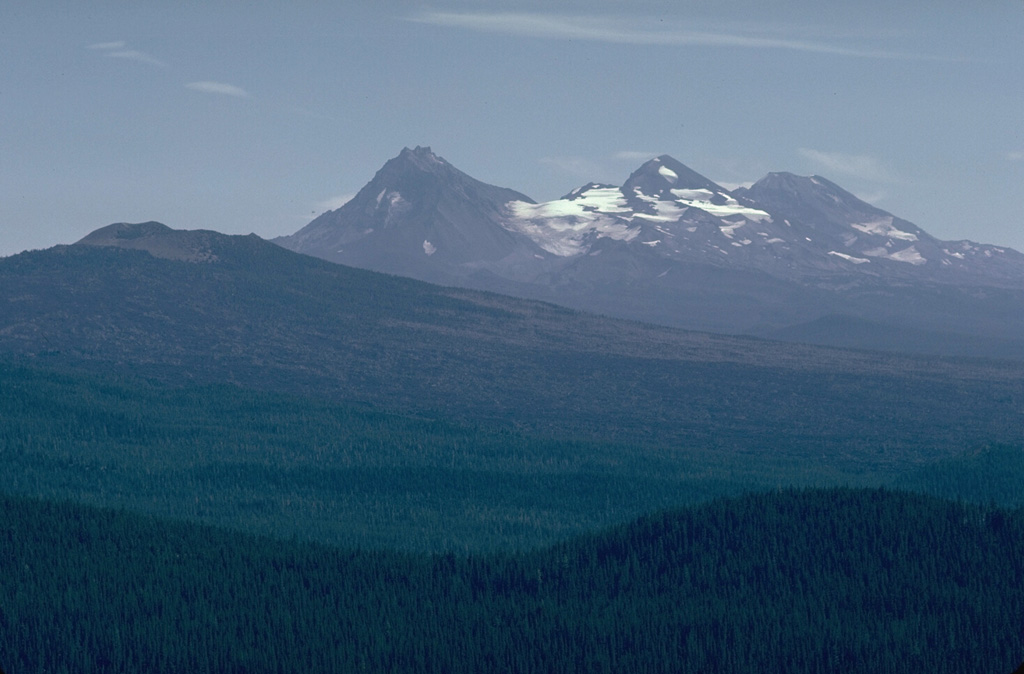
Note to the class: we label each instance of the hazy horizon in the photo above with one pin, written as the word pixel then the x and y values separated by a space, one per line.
pixel 242 118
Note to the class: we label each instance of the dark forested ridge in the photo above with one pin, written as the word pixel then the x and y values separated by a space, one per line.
pixel 289 465
pixel 793 581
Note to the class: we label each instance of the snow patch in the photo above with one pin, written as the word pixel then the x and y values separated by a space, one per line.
pixel 849 258
pixel 694 195
pixel 393 198
pixel 664 211
pixel 562 227
pixel 908 255
pixel 429 248
pixel 668 173
pixel 603 199
pixel 702 199
pixel 884 227
pixel 730 229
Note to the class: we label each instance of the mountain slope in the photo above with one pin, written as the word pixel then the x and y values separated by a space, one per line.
pixel 672 247
pixel 862 234
pixel 256 314
pixel 421 216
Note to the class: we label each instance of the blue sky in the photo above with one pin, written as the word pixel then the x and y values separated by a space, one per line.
pixel 257 116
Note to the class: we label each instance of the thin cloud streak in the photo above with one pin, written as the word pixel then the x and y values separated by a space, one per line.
pixel 137 56
pixel 607 29
pixel 116 50
pixel 218 88
pixel 856 165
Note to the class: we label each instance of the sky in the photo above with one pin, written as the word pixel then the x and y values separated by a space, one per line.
pixel 257 116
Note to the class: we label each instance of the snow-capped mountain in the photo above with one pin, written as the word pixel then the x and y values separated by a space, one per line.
pixel 790 226
pixel 673 247
pixel 661 205
pixel 854 231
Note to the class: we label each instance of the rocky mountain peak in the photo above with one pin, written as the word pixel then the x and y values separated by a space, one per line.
pixel 658 176
pixel 422 159
pixel 809 198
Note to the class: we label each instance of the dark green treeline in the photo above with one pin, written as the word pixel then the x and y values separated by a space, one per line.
pixel 793 581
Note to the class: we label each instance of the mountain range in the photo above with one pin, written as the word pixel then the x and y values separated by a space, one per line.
pixel 790 257
pixel 198 306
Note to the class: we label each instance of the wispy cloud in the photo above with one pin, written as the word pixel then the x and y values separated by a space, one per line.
pixel 137 56
pixel 616 30
pixel 856 165
pixel 1015 156
pixel 218 88
pixel 116 50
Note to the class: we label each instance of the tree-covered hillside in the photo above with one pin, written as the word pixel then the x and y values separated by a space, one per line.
pixel 793 581
pixel 288 465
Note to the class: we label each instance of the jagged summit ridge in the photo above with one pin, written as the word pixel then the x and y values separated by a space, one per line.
pixel 664 173
pixel 671 246
pixel 421 216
